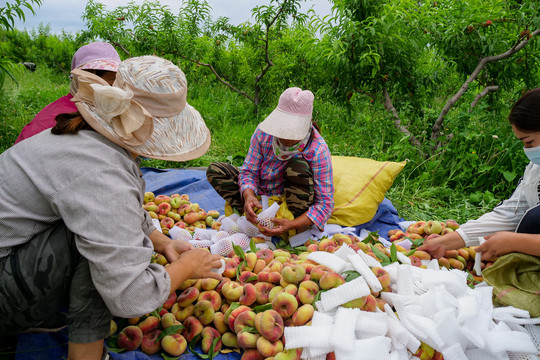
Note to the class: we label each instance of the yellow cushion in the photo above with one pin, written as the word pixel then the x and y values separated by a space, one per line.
pixel 359 187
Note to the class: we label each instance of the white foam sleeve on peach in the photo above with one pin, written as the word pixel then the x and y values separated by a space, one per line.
pixel 264 202
pixel 329 260
pixel 261 246
pixel 322 319
pixel 228 225
pixel 400 336
pixel 234 217
pixel 221 269
pixel 265 216
pixel 307 336
pixel 359 265
pixel 453 352
pixel 344 251
pixel 300 238
pixel 448 328
pixel 157 225
pixel 342 336
pixel 504 340
pixel 219 235
pixel 404 281
pixel 246 227
pixel 510 314
pixel 467 308
pixel 368 259
pixel 222 247
pixel 375 348
pixel 371 324
pixel 177 233
pixel 398 354
pixel 477 267
pixel 479 354
pixel 203 234
pixel 351 290
pixel 201 244
pixel 241 240
pixel 403 258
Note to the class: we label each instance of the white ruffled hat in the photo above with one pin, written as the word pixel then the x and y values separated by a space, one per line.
pixel 145 110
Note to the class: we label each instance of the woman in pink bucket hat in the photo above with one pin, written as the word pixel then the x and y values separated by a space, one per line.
pixel 287 156
pixel 99 58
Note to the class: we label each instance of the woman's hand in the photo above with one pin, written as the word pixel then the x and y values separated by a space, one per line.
pixel 497 244
pixel 437 247
pixel 280 226
pixel 199 264
pixel 175 248
pixel 250 203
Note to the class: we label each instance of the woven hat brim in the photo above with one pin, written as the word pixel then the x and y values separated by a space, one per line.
pixel 180 138
pixel 285 125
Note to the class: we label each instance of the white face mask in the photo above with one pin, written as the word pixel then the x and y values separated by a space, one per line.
pixel 533 154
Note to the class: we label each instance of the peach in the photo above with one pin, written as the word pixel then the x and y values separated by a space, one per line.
pixel 325 243
pixel 303 314
pixel 174 344
pixel 380 303
pixel 189 283
pixel 356 303
pixel 245 277
pixel 231 317
pixel 330 280
pixel 188 296
pixel 149 324
pixel 291 289
pixel 251 354
pixel 415 261
pixel 273 292
pixel 230 269
pixel 151 207
pixel 133 320
pixel 291 354
pixel 153 215
pixel 265 254
pixel 370 303
pixel 275 266
pixel 130 338
pixel 232 290
pixel 162 199
pixel 318 271
pixel 307 290
pixel 250 261
pixel 209 284
pixel 398 235
pixel 192 328
pixel 183 312
pixel 293 274
pixel 164 208
pixel 464 253
pixel 285 304
pixel 259 266
pixel 417 228
pixel 220 323
pixel 229 340
pixel 148 197
pixel 425 352
pixel 312 247
pixel 282 252
pixel 262 290
pixel 247 340
pixel 212 296
pixel 308 266
pixel 444 262
pixel 269 324
pixel 167 222
pixel 220 285
pixel 171 300
pixel 451 254
pixel 191 218
pixel 244 319
pixel 422 255
pixel 269 348
pixel 269 276
pixel 456 264
pixel 204 312
pixel 452 224
pixel 249 295
pixel 150 343
pixel 432 227
pixel 167 320
pixel 208 335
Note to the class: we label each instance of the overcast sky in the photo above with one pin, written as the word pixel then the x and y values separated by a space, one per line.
pixel 66 14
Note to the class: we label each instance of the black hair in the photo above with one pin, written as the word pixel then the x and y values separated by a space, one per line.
pixel 69 123
pixel 525 114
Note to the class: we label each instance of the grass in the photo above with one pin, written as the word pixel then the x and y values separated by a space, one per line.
pixel 362 130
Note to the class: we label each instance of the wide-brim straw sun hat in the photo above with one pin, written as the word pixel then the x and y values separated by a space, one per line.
pixel 291 119
pixel 145 111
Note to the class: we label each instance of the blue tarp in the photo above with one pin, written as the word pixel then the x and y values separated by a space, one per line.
pixel 170 181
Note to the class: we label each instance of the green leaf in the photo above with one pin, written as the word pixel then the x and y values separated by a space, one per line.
pixel 211 353
pixel 239 267
pixel 173 329
pixel 411 252
pixel 351 275
pixel 191 346
pixel 261 308
pixel 238 251
pixel 509 176
pixel 378 253
pixel 252 246
pixel 317 298
pixel 250 329
pixel 166 357
pixel 393 253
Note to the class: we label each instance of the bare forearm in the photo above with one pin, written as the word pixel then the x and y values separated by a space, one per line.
pixel 178 273
pixel 526 243
pixel 301 223
pixel 159 241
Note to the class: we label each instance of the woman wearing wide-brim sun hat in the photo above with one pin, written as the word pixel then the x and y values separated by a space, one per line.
pixel 72 212
pixel 287 156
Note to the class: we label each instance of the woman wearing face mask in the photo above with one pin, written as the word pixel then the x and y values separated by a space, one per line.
pixel 287 156
pixel 513 227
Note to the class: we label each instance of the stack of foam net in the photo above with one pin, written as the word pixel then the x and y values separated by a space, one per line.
pixel 433 305
pixel 234 229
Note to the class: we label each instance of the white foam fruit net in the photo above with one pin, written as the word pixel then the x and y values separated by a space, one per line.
pixel 265 216
pixel 201 243
pixel 234 217
pixel 223 247
pixel 219 235
pixel 241 240
pixel 203 234
pixel 177 233
pixel 246 227
pixel 229 225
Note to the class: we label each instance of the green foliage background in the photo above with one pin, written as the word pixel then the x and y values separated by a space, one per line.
pixel 420 57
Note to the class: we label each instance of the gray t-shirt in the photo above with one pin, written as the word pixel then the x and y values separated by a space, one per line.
pixel 97 189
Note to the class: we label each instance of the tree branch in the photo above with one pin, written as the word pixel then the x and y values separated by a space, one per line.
pixel 436 130
pixel 484 92
pixel 397 121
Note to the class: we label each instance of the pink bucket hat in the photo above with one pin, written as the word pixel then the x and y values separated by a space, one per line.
pixel 96 56
pixel 291 119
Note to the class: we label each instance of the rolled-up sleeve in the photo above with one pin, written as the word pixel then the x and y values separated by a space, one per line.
pixel 323 182
pixel 249 172
pixel 103 210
